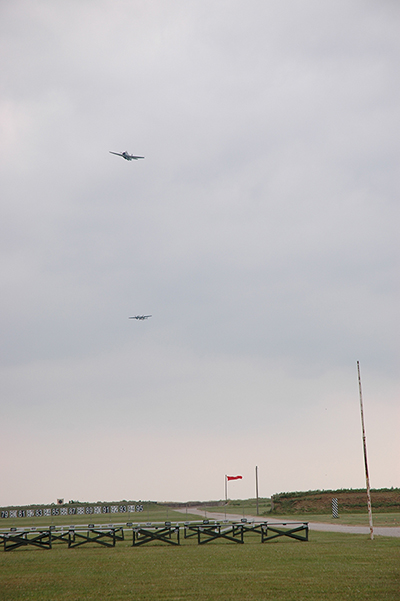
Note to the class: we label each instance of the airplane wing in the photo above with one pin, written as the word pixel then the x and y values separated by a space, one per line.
pixel 117 153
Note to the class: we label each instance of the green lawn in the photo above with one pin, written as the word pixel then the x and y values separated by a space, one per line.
pixel 353 519
pixel 328 567
pixel 248 507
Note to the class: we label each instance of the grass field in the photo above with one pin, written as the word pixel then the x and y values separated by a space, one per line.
pixel 351 519
pixel 354 519
pixel 327 567
pixel 248 507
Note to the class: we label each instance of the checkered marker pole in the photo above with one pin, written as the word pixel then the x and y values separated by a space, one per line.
pixel 335 512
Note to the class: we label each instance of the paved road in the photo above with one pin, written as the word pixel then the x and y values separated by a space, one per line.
pixel 321 526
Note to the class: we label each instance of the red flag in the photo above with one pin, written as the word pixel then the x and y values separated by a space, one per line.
pixel 233 478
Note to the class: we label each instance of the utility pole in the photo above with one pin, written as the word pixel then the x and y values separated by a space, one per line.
pixel 371 528
pixel 257 488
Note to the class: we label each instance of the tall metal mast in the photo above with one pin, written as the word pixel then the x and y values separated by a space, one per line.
pixel 371 528
pixel 257 487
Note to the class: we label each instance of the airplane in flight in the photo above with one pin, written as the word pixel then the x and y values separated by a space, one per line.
pixel 140 317
pixel 125 155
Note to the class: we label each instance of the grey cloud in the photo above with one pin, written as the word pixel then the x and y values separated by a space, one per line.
pixel 261 227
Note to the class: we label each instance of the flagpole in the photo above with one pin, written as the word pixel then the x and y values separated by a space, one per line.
pixel 257 488
pixel 371 528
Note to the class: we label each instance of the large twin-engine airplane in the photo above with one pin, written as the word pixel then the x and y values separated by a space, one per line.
pixel 125 155
pixel 140 317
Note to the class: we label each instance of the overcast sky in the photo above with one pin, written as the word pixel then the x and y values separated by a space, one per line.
pixel 261 232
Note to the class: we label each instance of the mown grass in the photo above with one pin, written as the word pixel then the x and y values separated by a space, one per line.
pixel 352 519
pixel 239 507
pixel 248 507
pixel 329 566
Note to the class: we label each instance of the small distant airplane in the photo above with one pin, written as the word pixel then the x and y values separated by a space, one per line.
pixel 125 155
pixel 140 317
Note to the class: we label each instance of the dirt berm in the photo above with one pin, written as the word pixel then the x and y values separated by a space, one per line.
pixel 349 501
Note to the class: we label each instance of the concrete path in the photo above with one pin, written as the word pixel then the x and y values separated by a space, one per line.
pixel 320 526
